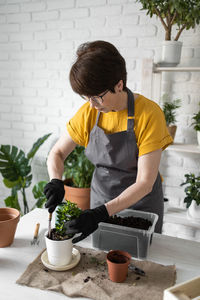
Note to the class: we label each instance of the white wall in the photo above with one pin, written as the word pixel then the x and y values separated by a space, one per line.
pixel 38 40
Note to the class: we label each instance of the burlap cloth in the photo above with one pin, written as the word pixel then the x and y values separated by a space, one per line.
pixel 90 279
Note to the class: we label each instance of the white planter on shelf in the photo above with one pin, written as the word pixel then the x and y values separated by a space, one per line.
pixel 193 212
pixel 198 137
pixel 59 252
pixel 171 52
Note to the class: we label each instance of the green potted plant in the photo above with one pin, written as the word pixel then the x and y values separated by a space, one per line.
pixel 15 167
pixel 169 109
pixel 196 125
pixel 59 245
pixel 183 14
pixel 192 198
pixel 78 171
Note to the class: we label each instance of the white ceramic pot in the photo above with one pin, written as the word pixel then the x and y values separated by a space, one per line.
pixel 198 137
pixel 194 211
pixel 171 52
pixel 59 252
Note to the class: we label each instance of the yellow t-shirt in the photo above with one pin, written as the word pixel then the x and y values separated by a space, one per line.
pixel 149 126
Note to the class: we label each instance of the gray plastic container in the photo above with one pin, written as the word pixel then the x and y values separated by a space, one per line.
pixel 133 240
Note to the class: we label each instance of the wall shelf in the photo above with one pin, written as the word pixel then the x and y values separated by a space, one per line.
pixel 186 148
pixel 159 68
pixel 179 216
pixel 152 75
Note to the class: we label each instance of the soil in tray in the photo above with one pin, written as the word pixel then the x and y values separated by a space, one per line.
pixel 131 221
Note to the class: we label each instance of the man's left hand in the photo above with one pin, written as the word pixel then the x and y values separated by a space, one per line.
pixel 87 222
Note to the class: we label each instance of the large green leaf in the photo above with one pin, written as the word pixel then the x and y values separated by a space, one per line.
pixel 78 168
pixel 12 201
pixel 10 184
pixel 38 193
pixel 13 163
pixel 37 145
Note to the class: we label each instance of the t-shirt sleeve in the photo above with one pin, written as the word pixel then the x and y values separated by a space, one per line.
pixel 154 134
pixel 80 125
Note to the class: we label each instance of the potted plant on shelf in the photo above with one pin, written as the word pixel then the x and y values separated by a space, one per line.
pixel 169 109
pixel 15 167
pixel 183 13
pixel 192 198
pixel 196 125
pixel 78 171
pixel 59 245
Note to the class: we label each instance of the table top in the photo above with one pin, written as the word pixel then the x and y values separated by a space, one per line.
pixel 14 260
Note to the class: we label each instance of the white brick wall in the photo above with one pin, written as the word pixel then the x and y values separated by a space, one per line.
pixel 38 40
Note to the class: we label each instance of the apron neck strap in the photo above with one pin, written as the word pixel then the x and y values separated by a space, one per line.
pixel 130 121
pixel 97 120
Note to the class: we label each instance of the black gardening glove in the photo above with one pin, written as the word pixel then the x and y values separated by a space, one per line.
pixel 87 222
pixel 54 192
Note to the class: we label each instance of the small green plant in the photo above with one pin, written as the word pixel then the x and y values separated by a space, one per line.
pixel 196 122
pixel 66 211
pixel 78 169
pixel 192 189
pixel 182 13
pixel 169 109
pixel 15 167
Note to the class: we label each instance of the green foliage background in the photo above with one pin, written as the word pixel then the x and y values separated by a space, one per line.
pixel 192 189
pixel 15 167
pixel 78 168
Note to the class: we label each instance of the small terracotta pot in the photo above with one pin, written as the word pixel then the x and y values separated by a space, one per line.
pixel 118 262
pixel 9 217
pixel 80 196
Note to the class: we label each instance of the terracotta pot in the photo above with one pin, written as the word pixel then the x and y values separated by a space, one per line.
pixel 80 196
pixel 172 130
pixel 118 262
pixel 9 217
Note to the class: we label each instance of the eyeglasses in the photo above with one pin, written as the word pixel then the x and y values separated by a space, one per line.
pixel 97 99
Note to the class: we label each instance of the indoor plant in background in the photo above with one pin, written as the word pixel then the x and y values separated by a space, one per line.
pixel 183 14
pixel 169 108
pixel 59 245
pixel 192 198
pixel 15 167
pixel 196 125
pixel 78 171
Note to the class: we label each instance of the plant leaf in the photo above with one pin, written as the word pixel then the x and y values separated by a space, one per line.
pixel 12 201
pixel 13 163
pixel 10 184
pixel 37 145
pixel 38 193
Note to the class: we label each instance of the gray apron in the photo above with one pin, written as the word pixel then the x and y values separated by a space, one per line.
pixel 115 157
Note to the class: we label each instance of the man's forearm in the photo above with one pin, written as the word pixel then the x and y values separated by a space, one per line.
pixel 55 165
pixel 128 197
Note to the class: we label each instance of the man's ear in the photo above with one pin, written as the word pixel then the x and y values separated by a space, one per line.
pixel 119 86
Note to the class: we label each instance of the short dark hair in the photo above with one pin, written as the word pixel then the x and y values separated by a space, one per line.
pixel 99 67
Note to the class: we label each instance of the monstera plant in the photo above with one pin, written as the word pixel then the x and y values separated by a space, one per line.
pixel 78 172
pixel 78 168
pixel 15 167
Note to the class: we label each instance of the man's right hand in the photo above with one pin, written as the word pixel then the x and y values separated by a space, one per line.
pixel 54 192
